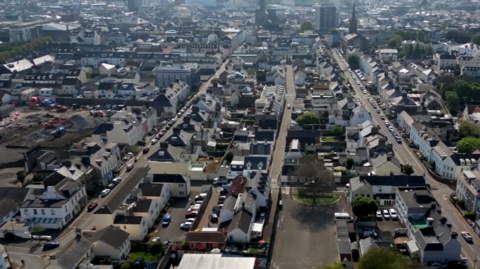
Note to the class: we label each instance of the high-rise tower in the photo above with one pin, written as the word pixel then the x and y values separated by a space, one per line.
pixel 352 27
pixel 326 17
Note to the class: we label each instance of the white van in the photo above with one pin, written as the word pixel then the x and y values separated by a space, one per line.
pixel 342 215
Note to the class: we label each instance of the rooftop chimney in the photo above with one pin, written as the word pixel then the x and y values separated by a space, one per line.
pixel 443 220
pixel 176 130
pixel 404 95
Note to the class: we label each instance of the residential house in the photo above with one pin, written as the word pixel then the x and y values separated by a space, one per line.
pixel 420 213
pixel 111 242
pixel 54 205
pixel 128 210
pixel 179 185
pixel 382 188
pixel 467 190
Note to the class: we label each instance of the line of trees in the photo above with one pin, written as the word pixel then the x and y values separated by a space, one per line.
pixel 12 49
pixel 460 93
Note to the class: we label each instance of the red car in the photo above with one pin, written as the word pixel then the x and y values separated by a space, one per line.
pixel 190 214
pixel 161 134
pixel 92 205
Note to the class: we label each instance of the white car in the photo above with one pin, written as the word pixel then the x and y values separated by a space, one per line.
pixel 379 214
pixel 467 236
pixel 154 141
pixel 186 225
pixel 386 215
pixel 105 192
pixel 393 214
pixel 155 239
pixel 116 180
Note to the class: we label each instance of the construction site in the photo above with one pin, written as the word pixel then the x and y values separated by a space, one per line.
pixel 50 129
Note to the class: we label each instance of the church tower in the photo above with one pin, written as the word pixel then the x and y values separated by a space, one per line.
pixel 352 28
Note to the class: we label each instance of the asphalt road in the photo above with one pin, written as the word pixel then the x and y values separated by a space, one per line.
pixel 407 156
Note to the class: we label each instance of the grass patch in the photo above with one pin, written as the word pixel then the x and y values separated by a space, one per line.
pixel 330 138
pixel 141 256
pixel 324 200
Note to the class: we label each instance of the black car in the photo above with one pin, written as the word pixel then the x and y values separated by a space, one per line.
pixel 50 245
pixel 145 150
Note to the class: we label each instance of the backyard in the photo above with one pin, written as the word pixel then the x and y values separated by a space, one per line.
pixel 330 138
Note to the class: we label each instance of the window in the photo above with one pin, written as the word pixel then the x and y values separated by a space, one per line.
pixel 180 185
pixel 42 211
pixel 124 227
pixel 66 208
pixel 35 212
pixel 181 192
pixel 25 212
pixel 52 212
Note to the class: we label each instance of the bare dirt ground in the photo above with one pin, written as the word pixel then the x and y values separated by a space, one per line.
pixel 29 126
pixel 8 177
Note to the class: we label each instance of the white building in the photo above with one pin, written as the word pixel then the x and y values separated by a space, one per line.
pixel 128 209
pixel 388 55
pixel 60 200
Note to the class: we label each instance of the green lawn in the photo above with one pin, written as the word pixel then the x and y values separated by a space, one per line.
pixel 330 138
pixel 324 200
pixel 138 256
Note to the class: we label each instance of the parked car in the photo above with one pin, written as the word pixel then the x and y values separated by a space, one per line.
pixel 166 220
pixel 191 213
pixel 186 225
pixel 154 141
pixel 393 213
pixel 93 205
pixel 50 245
pixel 145 150
pixel 379 214
pixel 386 215
pixel 214 218
pixel 111 186
pixel 105 192
pixel 467 236
pixel 116 180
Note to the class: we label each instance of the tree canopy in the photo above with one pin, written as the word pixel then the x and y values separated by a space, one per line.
pixel 410 35
pixel 337 130
pixel 469 128
pixel 468 145
pixel 363 206
pixel 395 41
pixel 315 178
pixel 384 258
pixel 407 169
pixel 476 39
pixel 308 118
pixel 459 36
pixel 354 61
pixel 452 101
pixel 306 26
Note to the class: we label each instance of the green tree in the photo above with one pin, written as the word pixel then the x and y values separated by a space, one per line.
pixel 385 258
pixel 306 26
pixel 452 101
pixel 363 206
pixel 21 176
pixel 395 41
pixel 229 157
pixel 354 61
pixel 316 181
pixel 407 169
pixel 421 36
pixel 350 163
pixel 468 145
pixel 335 265
pixel 38 229
pixel 476 39
pixel 468 128
pixel 308 118
pixel 410 50
pixel 126 265
pixel 337 130
pixel 156 248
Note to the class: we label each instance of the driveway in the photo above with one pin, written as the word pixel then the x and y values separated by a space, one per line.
pixel 305 235
pixel 177 211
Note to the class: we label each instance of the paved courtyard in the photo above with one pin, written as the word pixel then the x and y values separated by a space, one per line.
pixel 305 235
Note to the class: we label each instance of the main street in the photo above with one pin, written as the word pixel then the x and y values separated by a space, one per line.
pixel 406 156
pixel 85 219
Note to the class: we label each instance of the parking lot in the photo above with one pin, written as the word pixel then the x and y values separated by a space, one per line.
pixel 177 212
pixel 305 234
